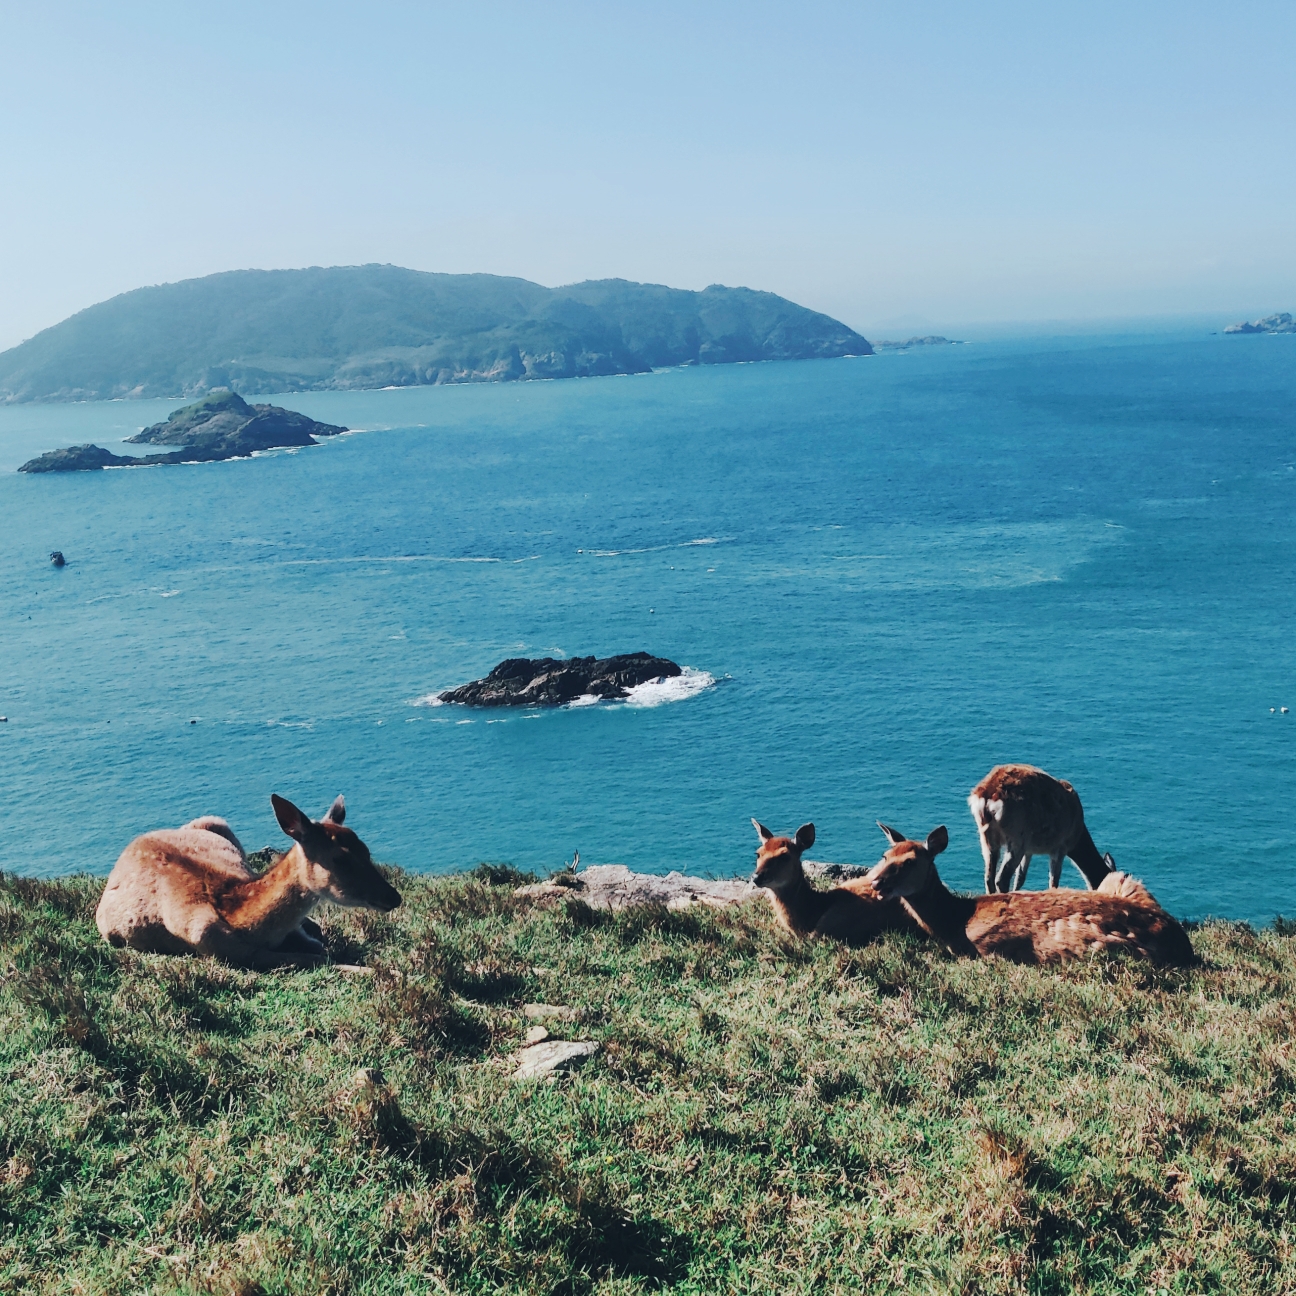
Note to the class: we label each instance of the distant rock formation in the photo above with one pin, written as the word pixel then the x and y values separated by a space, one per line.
pixel 1281 323
pixel 546 682
pixel 220 426
pixel 916 341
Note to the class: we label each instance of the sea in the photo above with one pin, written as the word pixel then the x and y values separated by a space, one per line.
pixel 883 576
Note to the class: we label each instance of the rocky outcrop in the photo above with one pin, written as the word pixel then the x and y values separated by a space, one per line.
pixel 546 682
pixel 220 426
pixel 916 342
pixel 613 886
pixel 1280 323
pixel 225 420
pixel 74 459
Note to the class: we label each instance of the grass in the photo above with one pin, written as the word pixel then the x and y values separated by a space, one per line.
pixel 764 1115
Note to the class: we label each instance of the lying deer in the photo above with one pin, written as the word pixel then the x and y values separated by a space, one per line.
pixel 851 912
pixel 190 891
pixel 1026 926
pixel 1021 811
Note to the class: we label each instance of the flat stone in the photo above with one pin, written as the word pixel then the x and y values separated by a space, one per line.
pixel 613 886
pixel 539 1060
pixel 550 1012
pixel 536 1034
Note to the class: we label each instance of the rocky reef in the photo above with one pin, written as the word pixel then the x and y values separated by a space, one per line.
pixel 916 342
pixel 522 682
pixel 1280 323
pixel 220 426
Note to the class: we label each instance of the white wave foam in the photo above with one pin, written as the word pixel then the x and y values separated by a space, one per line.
pixel 656 692
pixel 427 700
pixel 585 699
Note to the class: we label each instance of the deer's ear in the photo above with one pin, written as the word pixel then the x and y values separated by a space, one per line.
pixel 938 839
pixel 804 837
pixel 761 831
pixel 291 820
pixel 895 838
pixel 336 812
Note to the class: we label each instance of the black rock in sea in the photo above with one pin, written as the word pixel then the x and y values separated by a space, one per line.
pixel 57 558
pixel 547 682
pixel 220 426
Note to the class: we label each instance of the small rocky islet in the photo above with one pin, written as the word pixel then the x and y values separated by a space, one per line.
pixel 220 426
pixel 545 681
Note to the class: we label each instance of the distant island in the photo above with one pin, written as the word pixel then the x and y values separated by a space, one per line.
pixel 220 426
pixel 1282 323
pixel 915 342
pixel 357 327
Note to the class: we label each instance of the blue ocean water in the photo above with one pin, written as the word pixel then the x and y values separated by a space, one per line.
pixel 898 571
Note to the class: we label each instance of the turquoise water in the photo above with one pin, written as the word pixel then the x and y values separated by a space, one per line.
pixel 898 572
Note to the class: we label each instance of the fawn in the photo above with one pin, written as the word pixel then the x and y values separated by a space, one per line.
pixel 189 890
pixel 851 912
pixel 1026 926
pixel 1021 811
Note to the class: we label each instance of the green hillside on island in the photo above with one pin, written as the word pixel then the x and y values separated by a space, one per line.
pixel 357 327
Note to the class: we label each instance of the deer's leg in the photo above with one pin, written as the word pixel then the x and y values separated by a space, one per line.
pixel 1055 870
pixel 990 854
pixel 1007 866
pixel 1012 874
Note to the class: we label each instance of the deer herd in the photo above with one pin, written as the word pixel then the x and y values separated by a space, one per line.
pixel 190 890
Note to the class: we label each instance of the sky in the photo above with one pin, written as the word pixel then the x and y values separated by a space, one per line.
pixel 900 166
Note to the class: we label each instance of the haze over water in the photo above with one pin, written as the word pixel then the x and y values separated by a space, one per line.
pixel 900 571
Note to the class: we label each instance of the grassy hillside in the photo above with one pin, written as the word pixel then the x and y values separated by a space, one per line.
pixel 379 326
pixel 764 1115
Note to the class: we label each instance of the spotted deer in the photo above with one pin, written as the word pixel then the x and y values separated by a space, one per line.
pixel 1026 926
pixel 1021 811
pixel 189 890
pixel 850 912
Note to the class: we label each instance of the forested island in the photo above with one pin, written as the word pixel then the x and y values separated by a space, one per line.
pixel 358 327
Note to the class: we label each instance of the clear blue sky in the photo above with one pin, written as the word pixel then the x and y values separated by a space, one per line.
pixel 895 164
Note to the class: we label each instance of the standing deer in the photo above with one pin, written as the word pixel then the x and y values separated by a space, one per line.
pixel 189 890
pixel 1020 811
pixel 851 912
pixel 1026 926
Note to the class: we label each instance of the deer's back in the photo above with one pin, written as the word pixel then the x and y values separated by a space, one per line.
pixel 1052 926
pixel 1027 807
pixel 169 882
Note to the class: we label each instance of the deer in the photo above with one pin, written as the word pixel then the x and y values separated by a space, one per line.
pixel 1021 811
pixel 189 890
pixel 851 912
pixel 1026 926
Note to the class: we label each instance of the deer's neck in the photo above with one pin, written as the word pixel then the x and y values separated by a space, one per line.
pixel 1087 860
pixel 799 905
pixel 943 915
pixel 268 907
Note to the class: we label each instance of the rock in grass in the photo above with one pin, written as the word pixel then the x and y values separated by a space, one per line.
pixel 613 886
pixel 521 681
pixel 539 1060
pixel 550 1012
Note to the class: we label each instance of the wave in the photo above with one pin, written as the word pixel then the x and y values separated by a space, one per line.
pixel 656 692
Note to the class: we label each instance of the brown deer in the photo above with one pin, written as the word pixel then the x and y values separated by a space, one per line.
pixel 1020 811
pixel 851 912
pixel 1026 926
pixel 189 890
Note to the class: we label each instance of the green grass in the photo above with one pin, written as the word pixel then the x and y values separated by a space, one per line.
pixel 764 1116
